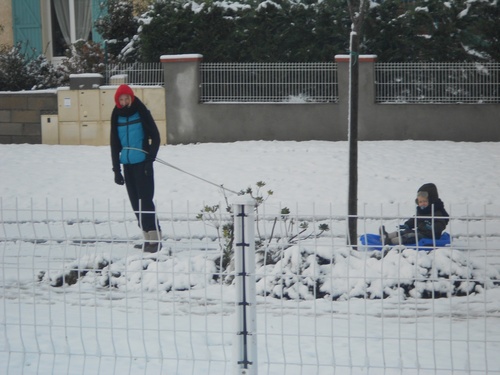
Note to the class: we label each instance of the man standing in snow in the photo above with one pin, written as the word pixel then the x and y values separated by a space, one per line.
pixel 135 141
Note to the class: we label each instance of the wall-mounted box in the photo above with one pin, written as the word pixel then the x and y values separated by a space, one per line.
pixel 138 92
pixel 91 133
pixel 84 116
pixel 50 129
pixel 154 99
pixel 69 133
pixel 106 130
pixel 67 105
pixel 89 105
pixel 107 100
pixel 162 128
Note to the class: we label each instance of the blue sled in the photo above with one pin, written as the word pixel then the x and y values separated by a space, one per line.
pixel 373 242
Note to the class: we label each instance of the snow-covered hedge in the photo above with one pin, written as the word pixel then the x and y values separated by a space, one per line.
pixel 311 31
pixel 301 273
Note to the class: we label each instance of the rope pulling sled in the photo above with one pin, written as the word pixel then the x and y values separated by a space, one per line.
pixel 183 171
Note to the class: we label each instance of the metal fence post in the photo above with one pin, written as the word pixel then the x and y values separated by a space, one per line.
pixel 245 348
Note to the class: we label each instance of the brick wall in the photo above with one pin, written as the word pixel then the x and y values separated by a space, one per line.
pixel 20 112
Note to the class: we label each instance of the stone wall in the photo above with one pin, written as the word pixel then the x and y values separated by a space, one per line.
pixel 20 115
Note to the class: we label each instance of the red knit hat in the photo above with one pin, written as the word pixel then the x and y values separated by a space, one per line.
pixel 123 90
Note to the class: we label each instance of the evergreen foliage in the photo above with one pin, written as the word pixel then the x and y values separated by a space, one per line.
pixel 118 28
pixel 269 31
pixel 480 29
pixel 309 30
pixel 277 31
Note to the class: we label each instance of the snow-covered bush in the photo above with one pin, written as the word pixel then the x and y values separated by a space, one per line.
pixel 247 31
pixel 22 71
pixel 341 274
pixel 46 74
pixel 84 57
pixel 151 272
pixel 305 31
pixel 265 253
pixel 301 273
pixel 14 74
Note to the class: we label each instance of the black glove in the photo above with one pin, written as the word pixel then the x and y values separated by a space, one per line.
pixel 425 228
pixel 427 225
pixel 119 178
pixel 148 168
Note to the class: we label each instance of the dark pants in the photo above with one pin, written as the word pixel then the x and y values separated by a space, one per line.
pixel 141 189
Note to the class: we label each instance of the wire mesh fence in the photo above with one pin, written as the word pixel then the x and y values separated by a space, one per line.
pixel 269 82
pixel 78 297
pixel 146 74
pixel 318 83
pixel 437 82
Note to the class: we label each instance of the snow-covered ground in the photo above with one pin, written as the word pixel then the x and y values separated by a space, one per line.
pixel 166 314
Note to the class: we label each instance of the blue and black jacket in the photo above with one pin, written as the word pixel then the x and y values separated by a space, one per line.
pixel 133 129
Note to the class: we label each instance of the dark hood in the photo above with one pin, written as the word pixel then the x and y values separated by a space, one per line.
pixel 431 190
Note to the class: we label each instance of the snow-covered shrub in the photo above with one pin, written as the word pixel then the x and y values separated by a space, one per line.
pixel 84 57
pixel 264 252
pixel 46 74
pixel 223 223
pixel 14 74
pixel 22 71
pixel 304 31
pixel 151 272
pixel 341 274
pixel 119 28
pixel 301 273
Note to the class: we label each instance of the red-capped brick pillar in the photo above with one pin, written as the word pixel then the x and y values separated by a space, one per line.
pixel 182 85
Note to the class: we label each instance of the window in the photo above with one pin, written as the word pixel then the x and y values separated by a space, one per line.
pixel 71 20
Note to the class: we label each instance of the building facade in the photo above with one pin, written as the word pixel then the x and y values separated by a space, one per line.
pixel 49 26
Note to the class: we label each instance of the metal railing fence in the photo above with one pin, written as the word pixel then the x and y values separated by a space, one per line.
pixel 269 82
pixel 423 83
pixel 146 74
pixel 76 297
pixel 437 82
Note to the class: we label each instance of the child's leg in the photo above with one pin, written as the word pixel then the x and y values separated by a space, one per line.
pixel 401 237
pixel 408 238
pixel 393 238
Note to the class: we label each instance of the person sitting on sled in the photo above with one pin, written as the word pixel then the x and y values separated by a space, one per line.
pixel 429 222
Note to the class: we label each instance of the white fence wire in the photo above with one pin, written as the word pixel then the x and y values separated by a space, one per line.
pixel 146 74
pixel 317 82
pixel 269 82
pixel 78 298
pixel 423 82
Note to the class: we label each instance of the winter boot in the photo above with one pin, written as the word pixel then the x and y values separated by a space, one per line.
pixel 384 237
pixel 154 243
pixel 142 245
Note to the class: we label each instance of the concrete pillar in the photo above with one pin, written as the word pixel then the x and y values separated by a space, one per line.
pixel 182 86
pixel 366 89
